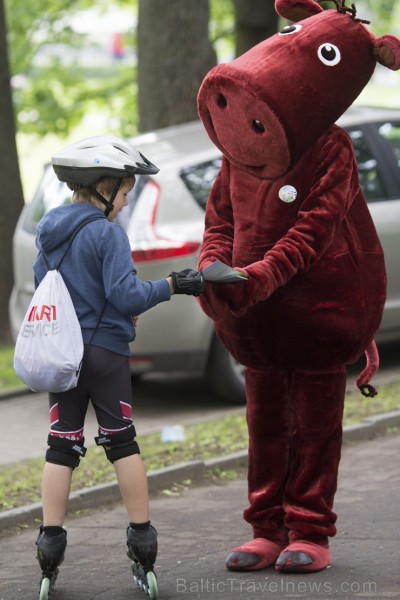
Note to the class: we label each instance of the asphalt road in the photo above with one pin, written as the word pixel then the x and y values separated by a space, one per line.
pixel 198 527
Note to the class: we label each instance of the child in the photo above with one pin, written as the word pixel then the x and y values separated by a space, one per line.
pixel 108 296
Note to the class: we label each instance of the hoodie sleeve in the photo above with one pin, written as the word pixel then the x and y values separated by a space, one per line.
pixel 123 288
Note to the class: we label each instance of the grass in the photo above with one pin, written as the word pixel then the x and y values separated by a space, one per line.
pixel 358 407
pixel 20 483
pixel 8 378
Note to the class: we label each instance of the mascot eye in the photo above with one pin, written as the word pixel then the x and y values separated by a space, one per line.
pixel 290 29
pixel 329 54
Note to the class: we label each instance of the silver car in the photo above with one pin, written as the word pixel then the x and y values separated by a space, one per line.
pixel 165 221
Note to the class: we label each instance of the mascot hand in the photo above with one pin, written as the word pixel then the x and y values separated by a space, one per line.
pixel 240 297
pixel 211 303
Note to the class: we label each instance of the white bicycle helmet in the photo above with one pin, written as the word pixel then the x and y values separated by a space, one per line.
pixel 86 161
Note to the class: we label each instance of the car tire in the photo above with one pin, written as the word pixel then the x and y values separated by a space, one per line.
pixel 225 374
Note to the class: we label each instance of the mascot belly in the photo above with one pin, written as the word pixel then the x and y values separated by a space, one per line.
pixel 346 283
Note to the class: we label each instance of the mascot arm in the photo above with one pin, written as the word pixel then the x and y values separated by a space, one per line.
pixel 217 241
pixel 218 237
pixel 318 220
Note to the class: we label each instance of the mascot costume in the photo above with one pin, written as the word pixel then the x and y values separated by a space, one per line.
pixel 287 212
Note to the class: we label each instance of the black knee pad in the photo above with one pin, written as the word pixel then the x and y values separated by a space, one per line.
pixel 63 451
pixel 119 445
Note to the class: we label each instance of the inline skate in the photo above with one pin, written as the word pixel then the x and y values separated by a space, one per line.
pixel 142 550
pixel 50 554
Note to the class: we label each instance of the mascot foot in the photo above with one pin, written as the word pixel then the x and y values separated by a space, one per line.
pixel 303 557
pixel 254 555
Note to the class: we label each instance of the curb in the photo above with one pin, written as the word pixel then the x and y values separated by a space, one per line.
pixel 15 392
pixel 101 495
pixel 95 497
pixel 371 427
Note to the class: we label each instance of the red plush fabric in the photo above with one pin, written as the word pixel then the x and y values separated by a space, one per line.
pixel 288 211
pixel 295 435
pixel 298 10
pixel 254 555
pixel 307 96
pixel 304 557
pixel 315 266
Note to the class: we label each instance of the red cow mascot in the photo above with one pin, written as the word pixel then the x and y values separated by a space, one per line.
pixel 287 211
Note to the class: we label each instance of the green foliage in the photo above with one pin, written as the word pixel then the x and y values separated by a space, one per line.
pixel 49 105
pixel 383 14
pixel 54 98
pixel 222 27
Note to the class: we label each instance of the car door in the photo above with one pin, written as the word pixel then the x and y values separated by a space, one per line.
pixel 377 147
pixel 49 194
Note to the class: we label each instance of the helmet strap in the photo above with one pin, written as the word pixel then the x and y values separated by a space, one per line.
pixel 107 203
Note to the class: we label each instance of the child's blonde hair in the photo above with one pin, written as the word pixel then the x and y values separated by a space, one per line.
pixel 105 186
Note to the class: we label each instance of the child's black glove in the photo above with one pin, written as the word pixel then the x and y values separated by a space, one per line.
pixel 188 282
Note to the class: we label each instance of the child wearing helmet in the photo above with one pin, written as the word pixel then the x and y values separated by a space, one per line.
pixel 108 297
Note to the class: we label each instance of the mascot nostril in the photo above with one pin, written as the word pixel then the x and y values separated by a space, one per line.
pixel 258 126
pixel 287 210
pixel 222 101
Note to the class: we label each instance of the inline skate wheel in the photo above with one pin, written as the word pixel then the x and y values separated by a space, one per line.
pixel 147 582
pixel 152 585
pixel 44 588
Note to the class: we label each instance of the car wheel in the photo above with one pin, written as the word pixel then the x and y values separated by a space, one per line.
pixel 136 377
pixel 225 374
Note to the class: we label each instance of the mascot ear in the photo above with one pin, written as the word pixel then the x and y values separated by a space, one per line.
pixel 387 51
pixel 297 10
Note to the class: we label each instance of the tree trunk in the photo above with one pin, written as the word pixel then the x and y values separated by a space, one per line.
pixel 174 55
pixel 256 20
pixel 11 198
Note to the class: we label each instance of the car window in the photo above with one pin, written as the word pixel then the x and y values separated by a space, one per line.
pixel 199 179
pixel 124 216
pixel 370 178
pixel 50 193
pixel 391 133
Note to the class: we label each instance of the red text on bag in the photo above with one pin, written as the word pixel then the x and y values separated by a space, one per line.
pixel 39 313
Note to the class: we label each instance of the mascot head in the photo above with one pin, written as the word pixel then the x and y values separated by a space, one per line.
pixel 267 107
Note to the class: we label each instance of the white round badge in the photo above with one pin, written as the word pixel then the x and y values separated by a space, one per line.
pixel 288 193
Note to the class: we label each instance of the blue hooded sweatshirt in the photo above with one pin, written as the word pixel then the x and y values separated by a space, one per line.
pixel 98 267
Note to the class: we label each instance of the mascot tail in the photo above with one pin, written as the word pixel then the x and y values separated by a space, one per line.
pixel 372 356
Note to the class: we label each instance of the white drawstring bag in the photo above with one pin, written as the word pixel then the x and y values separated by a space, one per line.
pixel 49 348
